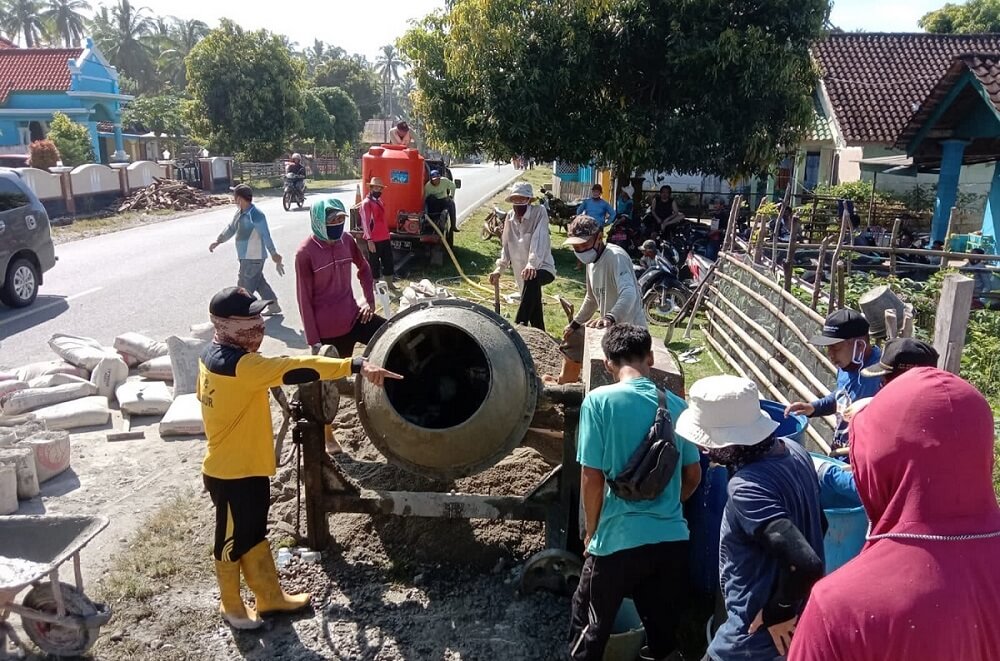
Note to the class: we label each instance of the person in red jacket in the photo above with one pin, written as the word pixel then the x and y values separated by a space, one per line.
pixel 325 284
pixel 926 585
pixel 375 230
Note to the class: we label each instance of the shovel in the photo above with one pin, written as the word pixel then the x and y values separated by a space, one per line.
pixel 496 296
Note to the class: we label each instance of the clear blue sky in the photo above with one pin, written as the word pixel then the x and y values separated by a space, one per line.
pixel 882 15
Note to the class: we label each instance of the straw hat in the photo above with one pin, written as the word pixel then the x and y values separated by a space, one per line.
pixel 376 181
pixel 521 189
pixel 724 411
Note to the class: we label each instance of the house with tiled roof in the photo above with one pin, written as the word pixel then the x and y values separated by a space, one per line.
pixel 36 83
pixel 871 84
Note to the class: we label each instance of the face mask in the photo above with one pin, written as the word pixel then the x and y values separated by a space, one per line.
pixel 334 232
pixel 520 209
pixel 376 194
pixel 587 256
pixel 858 353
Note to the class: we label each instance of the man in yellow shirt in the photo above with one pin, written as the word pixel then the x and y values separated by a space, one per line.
pixel 233 384
pixel 439 196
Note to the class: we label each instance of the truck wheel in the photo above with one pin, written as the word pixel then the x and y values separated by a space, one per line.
pixel 21 286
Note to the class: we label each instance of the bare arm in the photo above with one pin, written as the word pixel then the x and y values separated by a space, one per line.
pixel 592 493
pixel 690 479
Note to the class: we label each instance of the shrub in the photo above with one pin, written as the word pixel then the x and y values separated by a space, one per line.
pixel 44 154
pixel 72 140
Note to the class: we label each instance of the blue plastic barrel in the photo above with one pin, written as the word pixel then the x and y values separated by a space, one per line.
pixel 703 511
pixel 848 527
pixel 793 427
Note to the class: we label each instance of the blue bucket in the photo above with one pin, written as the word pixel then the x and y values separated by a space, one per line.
pixel 627 634
pixel 703 511
pixel 848 527
pixel 793 427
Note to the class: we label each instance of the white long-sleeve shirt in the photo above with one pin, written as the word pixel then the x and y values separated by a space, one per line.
pixel 612 289
pixel 526 242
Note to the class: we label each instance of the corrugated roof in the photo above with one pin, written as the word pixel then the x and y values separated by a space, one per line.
pixel 877 81
pixel 376 131
pixel 35 70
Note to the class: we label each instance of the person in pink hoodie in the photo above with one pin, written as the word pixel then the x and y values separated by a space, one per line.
pixel 324 283
pixel 926 586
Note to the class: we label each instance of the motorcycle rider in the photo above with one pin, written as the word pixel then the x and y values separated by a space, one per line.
pixel 296 168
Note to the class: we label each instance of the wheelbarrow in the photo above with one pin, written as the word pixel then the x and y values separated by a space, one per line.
pixel 57 616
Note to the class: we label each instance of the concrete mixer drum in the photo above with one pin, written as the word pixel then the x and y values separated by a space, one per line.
pixel 468 395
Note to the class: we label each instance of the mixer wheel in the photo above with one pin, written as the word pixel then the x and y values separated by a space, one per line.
pixel 553 570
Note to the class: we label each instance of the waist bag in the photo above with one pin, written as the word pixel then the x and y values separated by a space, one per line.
pixel 651 467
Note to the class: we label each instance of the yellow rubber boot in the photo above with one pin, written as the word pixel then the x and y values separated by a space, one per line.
pixel 262 577
pixel 233 610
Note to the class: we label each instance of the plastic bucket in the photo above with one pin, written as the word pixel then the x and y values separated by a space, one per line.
pixel 627 635
pixel 848 527
pixel 793 427
pixel 703 511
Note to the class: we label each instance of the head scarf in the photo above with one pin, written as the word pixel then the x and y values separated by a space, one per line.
pixel 317 215
pixel 735 457
pixel 246 333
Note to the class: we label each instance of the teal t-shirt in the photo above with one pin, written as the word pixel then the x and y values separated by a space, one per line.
pixel 613 422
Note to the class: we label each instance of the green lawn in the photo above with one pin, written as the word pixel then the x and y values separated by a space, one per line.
pixel 477 257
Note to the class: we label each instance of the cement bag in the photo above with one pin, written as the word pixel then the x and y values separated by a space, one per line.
pixel 157 369
pixel 8 489
pixel 8 437
pixel 108 374
pixel 11 386
pixel 23 461
pixel 7 375
pixel 23 401
pixel 35 370
pixel 28 429
pixel 87 412
pixel 80 351
pixel 183 418
pixel 184 355
pixel 144 397
pixel 205 331
pixel 136 348
pixel 51 450
pixel 52 380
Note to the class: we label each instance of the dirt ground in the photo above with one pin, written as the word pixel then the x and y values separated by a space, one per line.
pixel 388 588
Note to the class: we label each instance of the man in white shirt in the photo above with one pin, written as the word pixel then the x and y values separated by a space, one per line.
pixel 527 250
pixel 612 292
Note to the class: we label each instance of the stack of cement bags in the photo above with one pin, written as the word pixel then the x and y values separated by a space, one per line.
pixel 29 456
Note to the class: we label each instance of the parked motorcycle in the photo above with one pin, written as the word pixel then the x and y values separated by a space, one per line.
pixel 663 292
pixel 622 234
pixel 493 224
pixel 293 192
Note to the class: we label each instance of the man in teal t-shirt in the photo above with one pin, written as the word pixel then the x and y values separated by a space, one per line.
pixel 636 549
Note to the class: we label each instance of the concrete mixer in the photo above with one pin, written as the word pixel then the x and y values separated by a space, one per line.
pixel 469 396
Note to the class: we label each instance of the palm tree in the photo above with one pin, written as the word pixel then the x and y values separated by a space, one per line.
pixel 23 18
pixel 120 34
pixel 66 16
pixel 182 37
pixel 387 66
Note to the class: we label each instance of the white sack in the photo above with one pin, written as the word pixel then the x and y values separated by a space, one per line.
pixel 8 489
pixel 36 398
pixel 183 418
pixel 51 451
pixel 108 374
pixel 139 348
pixel 157 369
pixel 144 397
pixel 23 460
pixel 205 331
pixel 80 351
pixel 87 412
pixel 184 355
pixel 35 370
pixel 11 386
pixel 50 380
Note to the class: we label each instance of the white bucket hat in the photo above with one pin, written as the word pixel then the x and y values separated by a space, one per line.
pixel 521 189
pixel 724 411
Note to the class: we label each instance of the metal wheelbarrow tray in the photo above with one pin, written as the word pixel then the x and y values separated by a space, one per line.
pixel 57 617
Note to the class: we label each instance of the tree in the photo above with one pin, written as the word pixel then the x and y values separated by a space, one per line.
pixel 120 33
pixel 347 125
pixel 163 115
pixel 66 17
pixel 355 78
pixel 387 66
pixel 72 140
pixel 182 37
pixel 317 124
pixel 717 86
pixel 246 91
pixel 974 17
pixel 23 18
pixel 319 53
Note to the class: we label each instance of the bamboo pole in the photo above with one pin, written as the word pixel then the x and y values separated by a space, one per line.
pixel 893 244
pixel 818 386
pixel 955 256
pixel 790 255
pixel 697 297
pixel 947 238
pixel 758 238
pixel 818 282
pixel 734 214
pixel 785 203
pixel 732 362
pixel 841 289
pixel 767 305
pixel 803 308
pixel 844 221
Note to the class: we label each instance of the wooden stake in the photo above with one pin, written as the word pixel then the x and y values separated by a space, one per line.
pixel 947 239
pixel 818 282
pixel 893 244
pixel 951 320
pixel 790 255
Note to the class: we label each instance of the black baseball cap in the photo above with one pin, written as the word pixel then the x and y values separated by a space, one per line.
pixel 901 354
pixel 842 325
pixel 236 302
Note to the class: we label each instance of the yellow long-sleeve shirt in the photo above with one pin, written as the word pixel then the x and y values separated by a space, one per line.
pixel 233 390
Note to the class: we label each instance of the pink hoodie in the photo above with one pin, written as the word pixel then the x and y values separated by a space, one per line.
pixel 922 453
pixel 325 283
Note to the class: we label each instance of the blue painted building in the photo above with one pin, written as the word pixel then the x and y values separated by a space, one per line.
pixel 36 83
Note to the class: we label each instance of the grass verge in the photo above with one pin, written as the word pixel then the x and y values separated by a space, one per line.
pixel 89 227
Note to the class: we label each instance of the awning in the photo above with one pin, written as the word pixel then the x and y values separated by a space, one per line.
pixel 900 165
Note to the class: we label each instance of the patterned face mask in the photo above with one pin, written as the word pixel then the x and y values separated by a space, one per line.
pixel 246 333
pixel 737 456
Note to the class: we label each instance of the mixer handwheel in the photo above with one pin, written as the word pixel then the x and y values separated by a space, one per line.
pixel 553 570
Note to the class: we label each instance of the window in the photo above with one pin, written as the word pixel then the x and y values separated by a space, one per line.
pixel 11 196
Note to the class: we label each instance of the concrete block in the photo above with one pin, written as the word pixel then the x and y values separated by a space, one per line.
pixel 666 373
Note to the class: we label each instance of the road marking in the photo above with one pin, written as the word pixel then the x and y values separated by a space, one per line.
pixel 41 308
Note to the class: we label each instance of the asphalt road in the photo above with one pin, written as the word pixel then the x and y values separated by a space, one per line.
pixel 158 279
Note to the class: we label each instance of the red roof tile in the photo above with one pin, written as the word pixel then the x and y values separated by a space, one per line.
pixel 35 69
pixel 877 81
